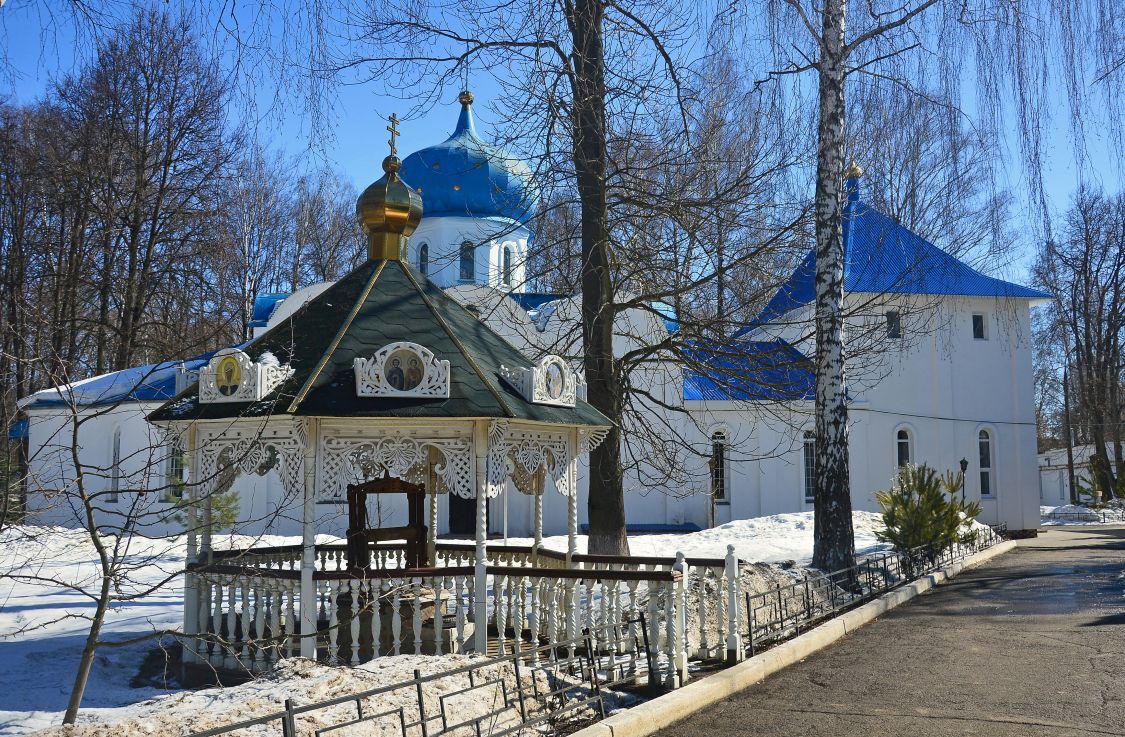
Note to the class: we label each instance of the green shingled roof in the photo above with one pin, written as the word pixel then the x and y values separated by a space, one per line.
pixel 378 303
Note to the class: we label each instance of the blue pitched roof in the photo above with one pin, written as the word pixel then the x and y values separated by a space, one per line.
pixel 264 305
pixel 154 382
pixel 744 370
pixel 18 430
pixel 533 300
pixel 883 257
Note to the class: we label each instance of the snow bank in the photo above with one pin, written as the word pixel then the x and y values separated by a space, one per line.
pixel 1078 514
pixel 773 539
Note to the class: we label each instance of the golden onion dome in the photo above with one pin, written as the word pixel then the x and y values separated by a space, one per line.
pixel 389 211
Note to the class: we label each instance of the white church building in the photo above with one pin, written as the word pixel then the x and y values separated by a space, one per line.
pixel 941 374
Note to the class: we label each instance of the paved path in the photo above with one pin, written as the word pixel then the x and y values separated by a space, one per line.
pixel 1031 644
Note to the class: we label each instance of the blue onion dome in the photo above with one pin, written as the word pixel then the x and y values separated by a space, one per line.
pixel 465 176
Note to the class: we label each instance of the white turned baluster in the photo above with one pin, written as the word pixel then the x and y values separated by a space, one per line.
pixel 396 618
pixel 259 624
pixel 242 654
pixel 273 652
pixel 721 609
pixel 292 641
pixel 458 592
pixel 333 622
pixel 229 651
pixel 533 617
pixel 439 583
pixel 704 640
pixel 217 621
pixel 206 624
pixel 631 644
pixel 375 591
pixel 572 602
pixel 670 634
pixel 499 611
pixel 588 584
pixel 655 590
pixel 552 604
pixel 355 588
pixel 416 586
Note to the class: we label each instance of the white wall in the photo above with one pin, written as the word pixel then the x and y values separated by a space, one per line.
pixel 444 236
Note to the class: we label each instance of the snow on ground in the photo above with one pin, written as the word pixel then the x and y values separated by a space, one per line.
pixel 772 539
pixel 42 629
pixel 1078 514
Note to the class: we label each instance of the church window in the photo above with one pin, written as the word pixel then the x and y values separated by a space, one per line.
pixel 984 445
pixel 902 447
pixel 468 261
pixel 506 265
pixel 424 259
pixel 115 467
pixel 718 466
pixel 979 327
pixel 894 324
pixel 810 466
pixel 174 473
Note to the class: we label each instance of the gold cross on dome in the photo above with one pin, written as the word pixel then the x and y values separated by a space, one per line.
pixel 393 128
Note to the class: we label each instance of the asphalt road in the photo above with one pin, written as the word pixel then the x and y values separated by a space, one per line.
pixel 1031 644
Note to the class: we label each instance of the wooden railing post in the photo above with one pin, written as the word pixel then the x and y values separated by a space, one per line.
pixel 734 632
pixel 679 624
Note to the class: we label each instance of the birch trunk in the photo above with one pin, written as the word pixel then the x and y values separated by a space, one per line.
pixel 834 545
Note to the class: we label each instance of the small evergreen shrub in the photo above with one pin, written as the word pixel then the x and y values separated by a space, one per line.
pixel 923 509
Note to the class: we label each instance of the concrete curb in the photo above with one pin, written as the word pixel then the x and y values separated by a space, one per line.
pixel 652 716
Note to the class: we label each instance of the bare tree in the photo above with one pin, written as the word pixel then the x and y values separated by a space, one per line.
pixel 1085 268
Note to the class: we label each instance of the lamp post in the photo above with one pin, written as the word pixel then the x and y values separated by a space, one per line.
pixel 964 467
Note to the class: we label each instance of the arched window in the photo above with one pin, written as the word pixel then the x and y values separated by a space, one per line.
pixel 174 473
pixel 115 467
pixel 719 466
pixel 902 447
pixel 984 445
pixel 809 451
pixel 506 265
pixel 424 259
pixel 468 261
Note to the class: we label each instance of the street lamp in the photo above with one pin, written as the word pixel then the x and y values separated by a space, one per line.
pixel 964 467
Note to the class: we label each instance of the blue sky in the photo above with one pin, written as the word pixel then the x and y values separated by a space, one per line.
pixel 356 144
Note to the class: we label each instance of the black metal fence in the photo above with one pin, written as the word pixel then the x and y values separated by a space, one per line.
pixel 538 690
pixel 776 615
pixel 1090 516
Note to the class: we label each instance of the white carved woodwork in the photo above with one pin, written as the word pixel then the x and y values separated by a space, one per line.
pixel 232 376
pixel 521 451
pixel 402 369
pixel 550 381
pixel 255 448
pixel 350 455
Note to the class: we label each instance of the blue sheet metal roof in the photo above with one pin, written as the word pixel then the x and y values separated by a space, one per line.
pixel 533 300
pixel 152 383
pixel 464 176
pixel 18 430
pixel 264 305
pixel 884 257
pixel 744 370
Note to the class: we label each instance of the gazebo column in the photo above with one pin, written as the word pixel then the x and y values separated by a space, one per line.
pixel 191 585
pixel 431 531
pixel 480 587
pixel 538 523
pixel 572 497
pixel 308 545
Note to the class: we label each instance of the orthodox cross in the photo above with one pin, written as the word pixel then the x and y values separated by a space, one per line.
pixel 393 128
